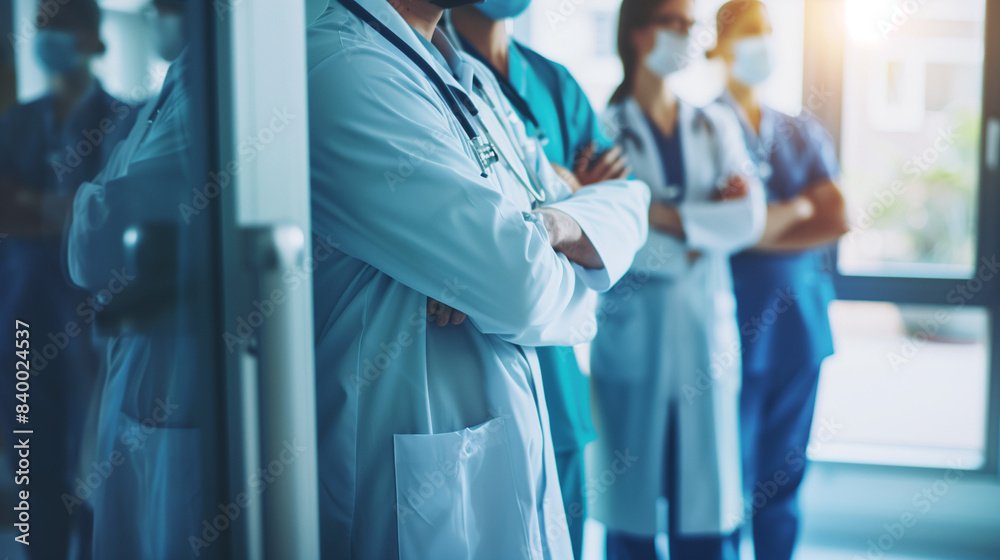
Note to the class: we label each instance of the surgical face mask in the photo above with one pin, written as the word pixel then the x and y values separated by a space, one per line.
pixel 754 59
pixel 503 9
pixel 168 36
pixel 671 53
pixel 57 52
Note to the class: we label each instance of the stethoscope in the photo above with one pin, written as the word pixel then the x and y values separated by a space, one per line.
pixel 486 153
pixel 485 149
pixel 509 91
pixel 627 134
pixel 761 152
pixel 533 185
pixel 759 146
pixel 673 194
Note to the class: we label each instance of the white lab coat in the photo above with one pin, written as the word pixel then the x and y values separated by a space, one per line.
pixel 434 441
pixel 150 504
pixel 668 337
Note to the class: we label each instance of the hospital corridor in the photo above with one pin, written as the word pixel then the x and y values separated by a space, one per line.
pixel 499 279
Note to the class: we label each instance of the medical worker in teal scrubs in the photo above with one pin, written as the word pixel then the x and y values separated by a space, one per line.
pixel 554 109
pixel 782 285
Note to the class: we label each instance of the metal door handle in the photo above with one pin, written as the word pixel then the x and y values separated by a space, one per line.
pixel 151 256
pixel 285 387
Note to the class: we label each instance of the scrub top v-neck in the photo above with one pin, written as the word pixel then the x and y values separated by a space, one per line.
pixel 672 158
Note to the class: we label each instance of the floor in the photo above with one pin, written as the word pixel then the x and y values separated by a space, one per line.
pixel 810 549
pixel 595 550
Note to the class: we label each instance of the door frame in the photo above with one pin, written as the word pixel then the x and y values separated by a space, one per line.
pixel 263 115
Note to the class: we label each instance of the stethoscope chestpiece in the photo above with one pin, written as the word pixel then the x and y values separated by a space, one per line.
pixel 486 154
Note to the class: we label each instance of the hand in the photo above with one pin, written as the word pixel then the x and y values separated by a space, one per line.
pixel 567 175
pixel 566 237
pixel 736 187
pixel 9 183
pixel 609 166
pixel 442 314
pixel 21 198
pixel 665 218
pixel 21 210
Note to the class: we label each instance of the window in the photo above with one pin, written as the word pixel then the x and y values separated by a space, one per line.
pixel 583 37
pixel 908 385
pixel 912 379
pixel 912 101
pixel 899 84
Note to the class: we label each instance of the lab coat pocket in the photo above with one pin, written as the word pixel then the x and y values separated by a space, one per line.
pixel 456 497
pixel 162 501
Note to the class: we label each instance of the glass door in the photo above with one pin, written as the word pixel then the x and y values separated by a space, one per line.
pixel 155 301
pixel 904 88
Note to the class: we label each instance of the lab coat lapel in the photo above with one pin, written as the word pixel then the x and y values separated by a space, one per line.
pixel 698 151
pixel 643 156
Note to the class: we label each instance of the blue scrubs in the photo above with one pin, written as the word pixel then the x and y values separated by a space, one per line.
pixel 561 117
pixel 782 302
pixel 52 159
pixel 626 546
pixel 671 155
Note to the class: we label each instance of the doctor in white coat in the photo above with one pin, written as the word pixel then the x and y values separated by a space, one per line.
pixel 434 440
pixel 150 505
pixel 666 359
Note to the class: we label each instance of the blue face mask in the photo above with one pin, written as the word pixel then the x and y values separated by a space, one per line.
pixel 503 9
pixel 755 59
pixel 57 52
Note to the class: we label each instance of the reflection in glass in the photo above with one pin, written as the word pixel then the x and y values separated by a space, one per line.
pixel 50 143
pixel 114 277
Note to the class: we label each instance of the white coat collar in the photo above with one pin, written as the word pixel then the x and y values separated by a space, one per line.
pixel 458 73
pixel 637 138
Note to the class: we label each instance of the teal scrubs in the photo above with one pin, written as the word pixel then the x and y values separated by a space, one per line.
pixel 566 124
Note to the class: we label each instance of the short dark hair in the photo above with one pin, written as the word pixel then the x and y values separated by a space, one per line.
pixel 74 15
pixel 169 5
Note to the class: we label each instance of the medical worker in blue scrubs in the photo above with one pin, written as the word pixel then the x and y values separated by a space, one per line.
pixel 553 107
pixel 48 147
pixel 783 285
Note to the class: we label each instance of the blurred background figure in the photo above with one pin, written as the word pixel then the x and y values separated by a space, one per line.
pixel 787 272
pixel 665 364
pixel 48 147
pixel 555 110
pixel 150 507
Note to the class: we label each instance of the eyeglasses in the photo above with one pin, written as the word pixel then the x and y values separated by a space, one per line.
pixel 675 23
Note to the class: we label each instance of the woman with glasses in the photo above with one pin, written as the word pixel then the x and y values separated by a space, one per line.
pixel 666 359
